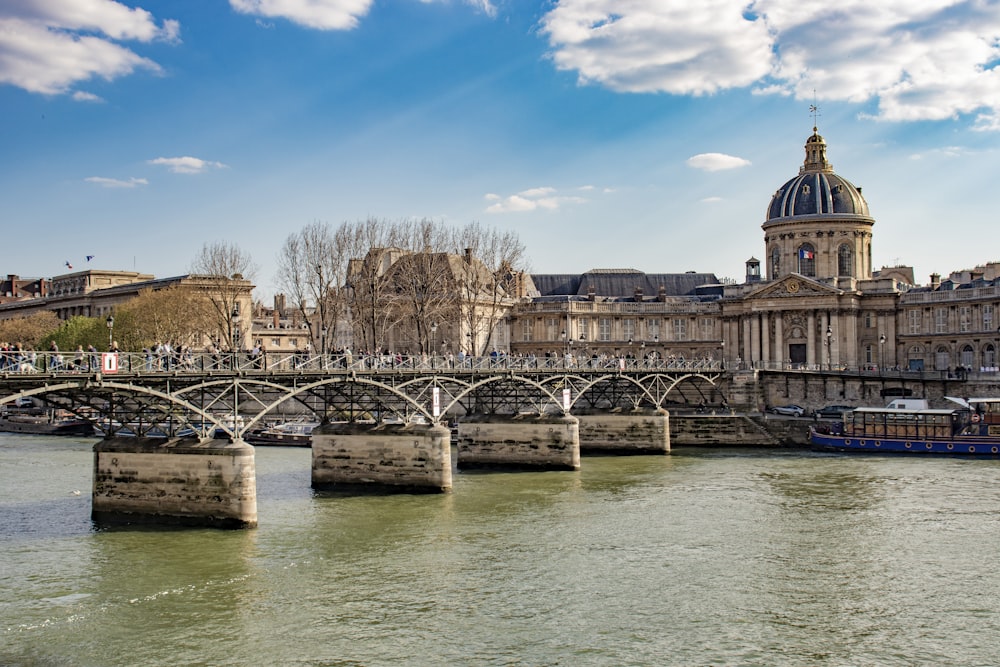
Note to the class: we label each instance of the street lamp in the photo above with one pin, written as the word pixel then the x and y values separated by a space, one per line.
pixel 434 331
pixel 829 348
pixel 722 354
pixel 111 329
pixel 562 336
pixel 235 319
pixel 881 351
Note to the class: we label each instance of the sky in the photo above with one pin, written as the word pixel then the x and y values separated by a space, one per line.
pixel 646 134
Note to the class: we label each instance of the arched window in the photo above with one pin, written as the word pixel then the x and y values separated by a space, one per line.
pixel 990 358
pixel 915 358
pixel 807 259
pixel 967 356
pixel 775 262
pixel 845 261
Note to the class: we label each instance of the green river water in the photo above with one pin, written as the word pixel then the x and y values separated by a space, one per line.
pixel 703 557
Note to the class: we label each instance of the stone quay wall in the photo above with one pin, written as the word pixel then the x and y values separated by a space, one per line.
pixel 413 458
pixel 638 432
pixel 174 482
pixel 547 442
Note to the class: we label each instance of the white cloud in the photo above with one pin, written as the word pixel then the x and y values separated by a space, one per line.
pixel 81 96
pixel 532 199
pixel 115 182
pixel 917 59
pixel 716 162
pixel 186 165
pixel 711 200
pixel 48 47
pixel 317 14
pixel 945 152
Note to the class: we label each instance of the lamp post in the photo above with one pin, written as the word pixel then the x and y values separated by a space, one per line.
pixel 829 348
pixel 722 354
pixel 111 330
pixel 881 352
pixel 562 336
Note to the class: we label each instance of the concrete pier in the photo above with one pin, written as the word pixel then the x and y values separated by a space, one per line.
pixel 401 458
pixel 179 481
pixel 548 442
pixel 639 432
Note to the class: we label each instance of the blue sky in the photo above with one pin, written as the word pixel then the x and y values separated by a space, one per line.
pixel 608 133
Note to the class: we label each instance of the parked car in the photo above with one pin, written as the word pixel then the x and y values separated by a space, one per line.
pixel 789 410
pixel 833 411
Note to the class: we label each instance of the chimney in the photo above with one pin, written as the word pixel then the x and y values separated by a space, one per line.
pixel 935 280
pixel 468 255
pixel 638 294
pixel 279 304
pixel 590 293
pixel 275 315
pixel 661 295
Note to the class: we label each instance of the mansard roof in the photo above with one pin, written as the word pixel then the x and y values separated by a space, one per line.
pixel 615 283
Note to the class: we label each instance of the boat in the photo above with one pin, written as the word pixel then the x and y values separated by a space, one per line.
pixel 55 422
pixel 289 434
pixel 972 428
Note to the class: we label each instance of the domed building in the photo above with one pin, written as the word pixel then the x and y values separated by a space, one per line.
pixel 820 305
pixel 818 224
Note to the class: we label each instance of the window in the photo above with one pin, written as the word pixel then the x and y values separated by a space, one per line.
pixel 868 320
pixel 990 357
pixel 965 319
pixel 526 329
pixel 988 317
pixel 680 328
pixel 942 360
pixel 914 317
pixel 807 259
pixel 583 328
pixel 869 355
pixel 967 356
pixel 707 328
pixel 552 329
pixel 653 328
pixel 940 320
pixel 845 260
pixel 628 329
pixel 775 262
pixel 604 328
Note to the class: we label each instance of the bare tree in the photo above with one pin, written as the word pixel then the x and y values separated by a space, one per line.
pixel 224 273
pixel 177 314
pixel 31 330
pixel 374 249
pixel 312 269
pixel 424 282
pixel 493 266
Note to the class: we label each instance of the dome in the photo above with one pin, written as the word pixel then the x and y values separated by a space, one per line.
pixel 817 190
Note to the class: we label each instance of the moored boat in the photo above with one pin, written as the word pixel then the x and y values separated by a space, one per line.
pixel 970 429
pixel 52 423
pixel 289 434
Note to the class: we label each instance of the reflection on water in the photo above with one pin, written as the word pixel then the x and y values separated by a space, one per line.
pixel 703 557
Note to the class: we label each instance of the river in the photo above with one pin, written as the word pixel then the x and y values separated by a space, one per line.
pixel 703 557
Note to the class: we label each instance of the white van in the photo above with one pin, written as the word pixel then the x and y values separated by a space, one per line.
pixel 908 404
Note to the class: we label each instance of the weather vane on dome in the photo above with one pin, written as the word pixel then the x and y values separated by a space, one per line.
pixel 814 110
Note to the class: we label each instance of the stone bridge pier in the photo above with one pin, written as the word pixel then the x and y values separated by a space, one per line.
pixel 640 431
pixel 177 481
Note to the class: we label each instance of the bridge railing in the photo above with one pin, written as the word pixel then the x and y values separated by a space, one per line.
pixel 62 363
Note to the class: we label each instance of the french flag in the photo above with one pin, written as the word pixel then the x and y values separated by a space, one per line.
pixel 805 254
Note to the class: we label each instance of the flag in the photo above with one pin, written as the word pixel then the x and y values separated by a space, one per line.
pixel 90 257
pixel 68 265
pixel 805 254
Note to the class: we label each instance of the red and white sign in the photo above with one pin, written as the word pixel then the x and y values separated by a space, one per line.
pixel 109 362
pixel 566 399
pixel 436 401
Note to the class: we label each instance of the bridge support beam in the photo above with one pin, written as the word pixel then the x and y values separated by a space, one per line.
pixel 402 458
pixel 519 442
pixel 152 481
pixel 639 432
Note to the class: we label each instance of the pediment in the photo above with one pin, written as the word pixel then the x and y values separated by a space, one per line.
pixel 793 285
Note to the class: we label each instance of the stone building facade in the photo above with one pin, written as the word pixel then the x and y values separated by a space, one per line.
pixel 818 304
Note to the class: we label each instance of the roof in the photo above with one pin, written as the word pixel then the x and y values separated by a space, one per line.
pixel 621 283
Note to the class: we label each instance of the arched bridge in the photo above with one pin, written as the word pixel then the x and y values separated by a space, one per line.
pixel 150 394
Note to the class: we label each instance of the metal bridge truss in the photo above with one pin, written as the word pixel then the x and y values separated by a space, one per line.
pixel 233 403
